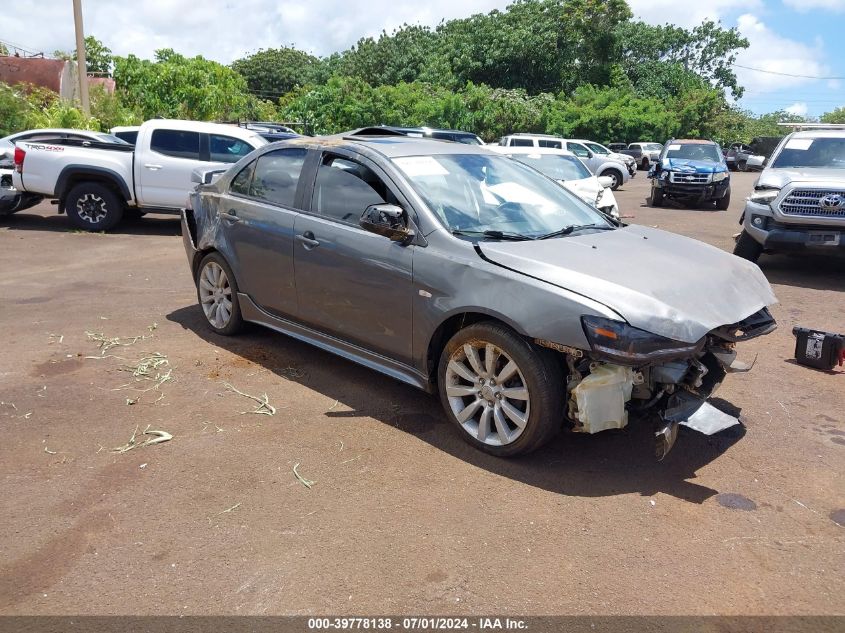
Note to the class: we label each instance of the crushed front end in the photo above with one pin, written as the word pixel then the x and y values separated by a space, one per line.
pixel 631 370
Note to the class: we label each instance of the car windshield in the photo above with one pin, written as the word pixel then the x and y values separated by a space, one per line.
pixel 108 138
pixel 478 193
pixel 694 151
pixel 555 166
pixel 469 140
pixel 826 153
pixel 598 149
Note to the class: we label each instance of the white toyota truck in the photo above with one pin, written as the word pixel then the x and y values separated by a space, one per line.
pixel 97 184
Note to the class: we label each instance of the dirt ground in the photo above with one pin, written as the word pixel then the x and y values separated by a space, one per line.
pixel 402 517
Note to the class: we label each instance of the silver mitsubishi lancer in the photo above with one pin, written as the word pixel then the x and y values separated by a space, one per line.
pixel 471 275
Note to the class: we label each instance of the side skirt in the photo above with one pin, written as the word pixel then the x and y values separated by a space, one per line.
pixel 399 371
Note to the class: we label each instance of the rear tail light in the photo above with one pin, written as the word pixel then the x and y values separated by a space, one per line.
pixel 19 156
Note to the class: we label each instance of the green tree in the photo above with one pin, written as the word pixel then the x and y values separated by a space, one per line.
pixel 836 115
pixel 98 57
pixel 174 86
pixel 668 60
pixel 271 73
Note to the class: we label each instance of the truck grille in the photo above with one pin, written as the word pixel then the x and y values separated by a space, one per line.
pixel 805 203
pixel 689 179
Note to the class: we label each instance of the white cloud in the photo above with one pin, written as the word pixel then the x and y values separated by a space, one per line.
pixel 689 14
pixel 804 6
pixel 222 30
pixel 774 53
pixel 798 108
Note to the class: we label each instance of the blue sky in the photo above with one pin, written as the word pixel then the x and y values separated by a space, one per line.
pixel 799 37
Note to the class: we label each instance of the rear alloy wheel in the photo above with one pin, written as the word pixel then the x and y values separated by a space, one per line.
pixel 616 175
pixel 742 165
pixel 93 207
pixel 218 295
pixel 504 395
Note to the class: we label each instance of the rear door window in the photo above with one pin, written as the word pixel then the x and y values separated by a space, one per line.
pixel 544 142
pixel 227 149
pixel 522 142
pixel 276 176
pixel 176 143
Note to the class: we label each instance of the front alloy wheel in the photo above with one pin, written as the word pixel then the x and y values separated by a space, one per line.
pixel 504 394
pixel 487 393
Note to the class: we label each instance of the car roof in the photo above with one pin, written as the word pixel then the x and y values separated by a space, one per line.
pixel 521 149
pixel 819 134
pixel 389 146
pixel 693 141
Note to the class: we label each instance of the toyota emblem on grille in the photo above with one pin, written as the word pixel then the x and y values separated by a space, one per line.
pixel 832 202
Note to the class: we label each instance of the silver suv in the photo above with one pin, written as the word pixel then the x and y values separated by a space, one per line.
pixel 465 272
pixel 798 203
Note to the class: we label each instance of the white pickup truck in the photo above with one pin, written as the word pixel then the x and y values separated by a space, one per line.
pixel 96 184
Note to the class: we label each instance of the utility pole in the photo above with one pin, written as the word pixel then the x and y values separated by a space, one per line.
pixel 82 64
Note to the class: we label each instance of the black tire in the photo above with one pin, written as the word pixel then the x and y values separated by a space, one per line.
pixel 235 322
pixel 747 247
pixel 724 202
pixel 94 207
pixel 742 165
pixel 538 373
pixel 656 197
pixel 617 178
pixel 644 165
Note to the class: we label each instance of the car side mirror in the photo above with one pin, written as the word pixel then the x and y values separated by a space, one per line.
pixel 204 176
pixel 389 220
pixel 590 154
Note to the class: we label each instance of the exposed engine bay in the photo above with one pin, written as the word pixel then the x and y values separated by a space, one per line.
pixel 601 393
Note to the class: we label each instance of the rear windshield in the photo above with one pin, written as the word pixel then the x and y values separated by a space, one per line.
pixel 694 151
pixel 826 153
pixel 109 138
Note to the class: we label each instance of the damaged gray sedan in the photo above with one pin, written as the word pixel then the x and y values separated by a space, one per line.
pixel 469 274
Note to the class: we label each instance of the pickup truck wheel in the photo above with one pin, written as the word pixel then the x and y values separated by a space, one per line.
pixel 742 165
pixel 616 175
pixel 93 207
pixel 644 165
pixel 217 293
pixel 747 247
pixel 656 197
pixel 724 202
pixel 503 394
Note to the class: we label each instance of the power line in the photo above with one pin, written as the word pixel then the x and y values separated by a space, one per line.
pixel 774 72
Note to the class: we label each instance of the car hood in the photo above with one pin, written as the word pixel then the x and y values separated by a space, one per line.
pixel 779 178
pixel 660 282
pixel 620 157
pixel 692 166
pixel 587 188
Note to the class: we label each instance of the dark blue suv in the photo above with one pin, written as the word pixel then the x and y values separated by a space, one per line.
pixel 691 171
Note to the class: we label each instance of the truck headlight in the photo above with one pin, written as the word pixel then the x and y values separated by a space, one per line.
pixel 627 345
pixel 719 176
pixel 763 196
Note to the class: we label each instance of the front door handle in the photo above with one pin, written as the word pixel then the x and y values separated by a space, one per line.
pixel 307 240
pixel 231 216
pixel 152 166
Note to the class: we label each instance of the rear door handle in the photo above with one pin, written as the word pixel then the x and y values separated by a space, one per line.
pixel 307 240
pixel 152 166
pixel 231 216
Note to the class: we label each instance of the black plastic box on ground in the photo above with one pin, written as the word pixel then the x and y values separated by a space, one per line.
pixel 821 350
